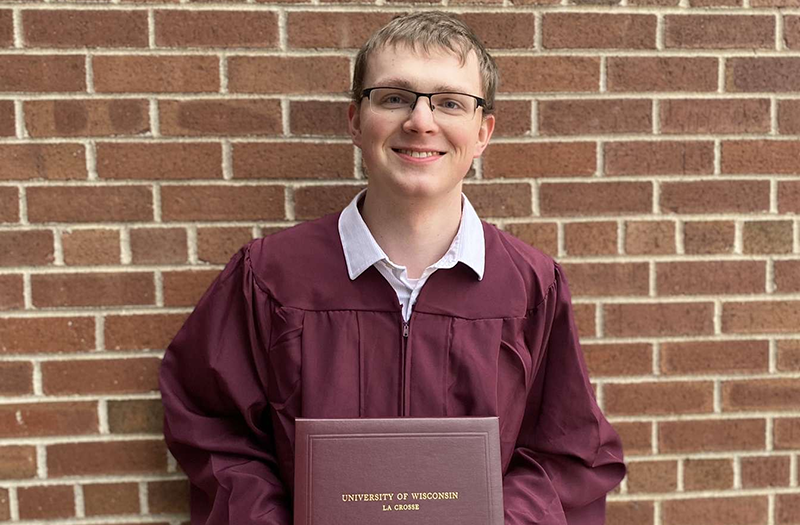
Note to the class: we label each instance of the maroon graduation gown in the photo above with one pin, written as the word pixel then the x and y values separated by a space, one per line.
pixel 284 333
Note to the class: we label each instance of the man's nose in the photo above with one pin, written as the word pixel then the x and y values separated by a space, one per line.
pixel 421 117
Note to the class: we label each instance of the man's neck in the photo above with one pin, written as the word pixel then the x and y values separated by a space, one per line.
pixel 413 233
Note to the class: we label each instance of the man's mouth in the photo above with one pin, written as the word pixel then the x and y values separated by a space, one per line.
pixel 418 154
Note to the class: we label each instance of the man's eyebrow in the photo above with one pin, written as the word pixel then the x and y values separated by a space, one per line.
pixel 403 83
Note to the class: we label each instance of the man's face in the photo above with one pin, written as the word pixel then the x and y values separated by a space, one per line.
pixel 386 142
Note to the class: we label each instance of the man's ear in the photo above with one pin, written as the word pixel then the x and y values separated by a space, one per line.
pixel 354 123
pixel 484 134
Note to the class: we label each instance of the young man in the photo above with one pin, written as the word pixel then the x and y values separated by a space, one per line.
pixel 405 304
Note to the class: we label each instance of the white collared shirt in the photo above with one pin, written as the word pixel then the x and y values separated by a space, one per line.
pixel 361 251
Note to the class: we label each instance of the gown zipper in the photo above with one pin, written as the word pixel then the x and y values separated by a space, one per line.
pixel 403 408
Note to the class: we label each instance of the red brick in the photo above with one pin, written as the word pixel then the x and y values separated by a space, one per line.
pixel 155 74
pixel 709 357
pixel 608 279
pixel 636 437
pixel 761 394
pixel 26 247
pixel 500 200
pixel 9 205
pixel 596 198
pixel 541 235
pixel 503 31
pixel 618 359
pixel 136 416
pixel 217 245
pixel 549 74
pixel 316 117
pixel 649 237
pixel 637 320
pixel 652 476
pixel 17 462
pixel 181 28
pixel 708 474
pixel 220 117
pixel 762 74
pixel 84 28
pixel 791 31
pixel 184 288
pixel 590 238
pixel 7 119
pixel 86 247
pixel 159 160
pixel 585 319
pixel 338 30
pixel 659 398
pixel 292 160
pixel 43 73
pixel 159 246
pixel 711 435
pixel 774 3
pixel 48 419
pixel 513 119
pixel 16 378
pixel 42 161
pixel 116 457
pixel 761 156
pixel 595 117
pixel 750 510
pixel 789 355
pixel 659 158
pixel 168 497
pixel 100 376
pixel 767 237
pixel 646 74
pixel 6 28
pixel 51 334
pixel 141 332
pixel 789 196
pixel 630 513
pixel 759 317
pixel 765 471
pixel 723 196
pixel 540 159
pixel 713 277
pixel 11 293
pixel 90 204
pixel 789 116
pixel 715 3
pixel 700 237
pixel 787 508
pixel 208 203
pixel 596 30
pixel 46 502
pixel 715 116
pixel 288 75
pixel 315 201
pixel 787 433
pixel 101 499
pixel 719 32
pixel 5 511
pixel 80 118
pixel 93 289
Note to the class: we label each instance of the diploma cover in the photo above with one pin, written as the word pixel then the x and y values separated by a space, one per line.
pixel 420 471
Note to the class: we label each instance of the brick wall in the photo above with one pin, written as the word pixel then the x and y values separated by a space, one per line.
pixel 653 146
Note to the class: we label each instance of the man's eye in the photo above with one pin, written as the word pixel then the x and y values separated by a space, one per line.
pixel 451 104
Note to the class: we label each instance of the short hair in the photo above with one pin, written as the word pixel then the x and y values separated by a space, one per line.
pixel 429 30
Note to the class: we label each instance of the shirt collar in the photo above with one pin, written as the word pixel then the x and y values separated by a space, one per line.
pixel 361 250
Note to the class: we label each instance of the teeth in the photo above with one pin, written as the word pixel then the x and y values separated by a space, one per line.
pixel 419 154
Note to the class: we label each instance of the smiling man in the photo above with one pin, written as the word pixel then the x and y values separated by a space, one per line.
pixel 404 304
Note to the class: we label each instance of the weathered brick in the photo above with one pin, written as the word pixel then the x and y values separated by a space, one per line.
pixel 649 237
pixel 42 161
pixel 500 200
pixel 702 237
pixel 81 118
pixel 5 510
pixel 761 394
pixel 652 476
pixel 116 457
pixel 183 28
pixel 787 508
pixel 17 462
pixel 155 74
pixel 590 238
pixel 540 159
pixel 11 292
pixel 220 117
pixel 585 319
pixel 159 246
pixel 665 397
pixel 100 376
pixel 182 203
pixel 7 118
pixel 767 237
pixel 789 196
pixel 288 75
pixel 135 416
pixel 47 502
pixel 762 74
pixel 46 334
pixel 130 160
pixel 596 198
pixel 713 277
pixel 791 31
pixel 9 205
pixel 659 158
pixel 16 378
pixel 765 471
pixel 719 32
pixel 90 204
pixel 86 247
pixel 72 28
pixel 787 433
pixel 630 513
pixel 717 435
pixel 549 74
pixel 709 357
pixel 316 117
pixel 760 317
pixel 217 245
pixel 184 288
pixel 141 332
pixel 6 28
pixel 100 499
pixel 48 419
pixel 26 247
pixel 761 156
pixel 637 320
pixel 607 279
pixel 789 116
pixel 789 355
pixel 618 359
pixel 593 117
pixel 93 289
pixel 637 437
pixel 43 73
pixel 708 474
pixel 646 74
pixel 728 196
pixel 774 3
pixel 751 510
pixel 292 160
pixel 168 497
pixel 707 116
pixel 598 30
pixel 331 29
pixel 541 235
pixel 513 119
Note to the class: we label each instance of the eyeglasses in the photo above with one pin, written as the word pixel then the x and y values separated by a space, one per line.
pixel 399 102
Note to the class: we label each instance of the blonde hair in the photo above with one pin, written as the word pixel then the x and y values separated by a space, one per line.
pixel 429 31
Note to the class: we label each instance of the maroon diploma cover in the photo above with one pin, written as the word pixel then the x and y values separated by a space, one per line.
pixel 420 471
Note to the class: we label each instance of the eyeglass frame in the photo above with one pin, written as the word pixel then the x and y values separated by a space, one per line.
pixel 479 102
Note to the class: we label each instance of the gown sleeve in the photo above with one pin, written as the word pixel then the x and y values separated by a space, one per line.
pixel 567 456
pixel 216 415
